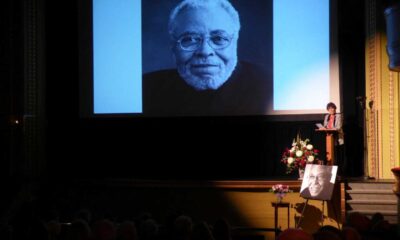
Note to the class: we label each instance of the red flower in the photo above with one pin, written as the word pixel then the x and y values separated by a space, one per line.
pixel 306 150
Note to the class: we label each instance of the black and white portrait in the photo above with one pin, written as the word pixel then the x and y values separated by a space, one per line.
pixel 318 182
pixel 207 57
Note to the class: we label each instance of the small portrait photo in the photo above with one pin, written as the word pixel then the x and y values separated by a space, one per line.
pixel 318 182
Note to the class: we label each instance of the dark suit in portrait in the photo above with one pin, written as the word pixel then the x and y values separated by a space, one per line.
pixel 246 92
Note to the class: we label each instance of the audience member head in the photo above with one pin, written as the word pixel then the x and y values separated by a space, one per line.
pixel 104 230
pixel 201 231
pixel 127 231
pixel 183 227
pixel 325 236
pixel 358 221
pixel 377 217
pixel 222 230
pixel 79 230
pixel 350 233
pixel 332 229
pixel 84 214
pixel 148 229
pixel 54 228
pixel 294 234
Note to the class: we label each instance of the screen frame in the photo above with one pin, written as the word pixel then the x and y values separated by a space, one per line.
pixel 86 96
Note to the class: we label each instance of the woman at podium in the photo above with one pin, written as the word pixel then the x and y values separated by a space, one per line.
pixel 334 120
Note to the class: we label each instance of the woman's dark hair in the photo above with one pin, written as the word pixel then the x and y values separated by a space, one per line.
pixel 330 105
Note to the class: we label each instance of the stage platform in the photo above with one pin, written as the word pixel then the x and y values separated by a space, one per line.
pixel 246 204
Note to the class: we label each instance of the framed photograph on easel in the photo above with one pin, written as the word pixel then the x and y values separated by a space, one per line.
pixel 318 182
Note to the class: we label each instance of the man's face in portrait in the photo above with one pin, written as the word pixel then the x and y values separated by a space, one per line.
pixel 317 180
pixel 205 47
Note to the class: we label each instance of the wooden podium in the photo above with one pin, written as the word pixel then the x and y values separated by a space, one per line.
pixel 330 136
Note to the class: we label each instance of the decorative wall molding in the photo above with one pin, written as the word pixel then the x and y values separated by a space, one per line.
pixel 383 94
pixel 391 122
pixel 371 89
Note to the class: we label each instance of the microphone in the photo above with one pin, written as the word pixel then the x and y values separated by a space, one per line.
pixel 361 98
pixel 371 103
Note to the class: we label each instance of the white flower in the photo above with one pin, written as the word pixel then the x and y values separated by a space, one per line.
pixel 292 149
pixel 290 160
pixel 310 147
pixel 299 153
pixel 310 158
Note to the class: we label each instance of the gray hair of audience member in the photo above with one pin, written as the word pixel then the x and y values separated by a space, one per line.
pixel 148 229
pixel 193 4
pixel 183 227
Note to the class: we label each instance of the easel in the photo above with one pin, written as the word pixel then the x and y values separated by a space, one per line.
pixel 322 212
pixel 326 181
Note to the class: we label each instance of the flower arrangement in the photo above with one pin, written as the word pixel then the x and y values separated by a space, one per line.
pixel 280 190
pixel 301 153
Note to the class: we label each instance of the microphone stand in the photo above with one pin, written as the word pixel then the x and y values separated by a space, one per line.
pixel 362 101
